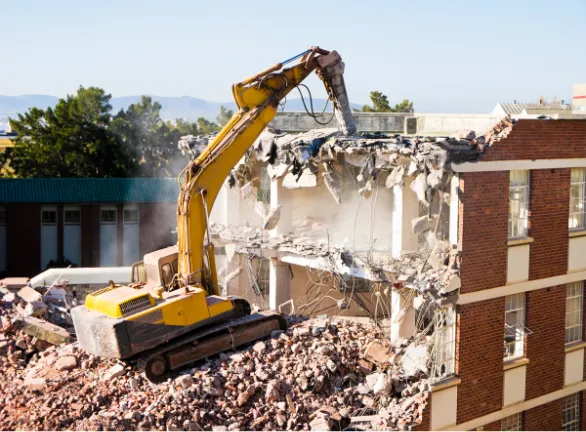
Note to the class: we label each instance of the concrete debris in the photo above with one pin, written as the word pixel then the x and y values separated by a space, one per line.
pixel 44 330
pixel 30 295
pixel 272 218
pixel 246 190
pixel 298 391
pixel 35 308
pixel 297 156
pixel 306 180
pixel 395 177
pixel 194 145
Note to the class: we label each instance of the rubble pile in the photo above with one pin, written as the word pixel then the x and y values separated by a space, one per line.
pixel 303 158
pixel 318 375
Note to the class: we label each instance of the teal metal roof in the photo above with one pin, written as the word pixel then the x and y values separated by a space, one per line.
pixel 88 190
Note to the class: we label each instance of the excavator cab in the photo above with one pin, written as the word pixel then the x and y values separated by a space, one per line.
pixel 159 269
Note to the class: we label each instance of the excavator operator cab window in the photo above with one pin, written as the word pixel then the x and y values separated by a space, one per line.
pixel 169 280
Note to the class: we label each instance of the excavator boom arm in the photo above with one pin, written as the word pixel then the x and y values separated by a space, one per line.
pixel 257 98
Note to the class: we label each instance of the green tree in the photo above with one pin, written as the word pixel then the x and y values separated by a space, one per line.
pixel 224 117
pixel 71 140
pixel 206 127
pixel 404 106
pixel 146 139
pixel 380 103
pixel 185 127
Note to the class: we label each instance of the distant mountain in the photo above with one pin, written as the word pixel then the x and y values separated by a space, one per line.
pixel 186 107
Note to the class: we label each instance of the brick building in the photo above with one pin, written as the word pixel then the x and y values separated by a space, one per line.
pixel 90 222
pixel 509 353
pixel 522 237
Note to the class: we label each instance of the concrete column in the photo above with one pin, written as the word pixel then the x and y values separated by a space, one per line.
pixel 280 284
pixel 405 209
pixel 281 196
pixel 454 209
pixel 280 274
pixel 402 317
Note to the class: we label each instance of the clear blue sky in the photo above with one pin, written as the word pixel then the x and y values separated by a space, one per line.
pixel 458 56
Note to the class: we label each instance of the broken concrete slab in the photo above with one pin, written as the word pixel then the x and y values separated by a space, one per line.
pixel 333 184
pixel 306 180
pixel 423 223
pixel 395 177
pixel 67 362
pixel 44 330
pixel 378 353
pixel 30 295
pixel 272 218
pixel 246 190
pixel 35 308
pixel 419 186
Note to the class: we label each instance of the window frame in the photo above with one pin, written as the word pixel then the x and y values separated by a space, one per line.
pixel 126 212
pixel 518 226
pixel 48 222
pixel 518 343
pixel 513 422
pixel 578 185
pixel 571 406
pixel 108 222
pixel 71 210
pixel 3 216
pixel 575 332
pixel 444 334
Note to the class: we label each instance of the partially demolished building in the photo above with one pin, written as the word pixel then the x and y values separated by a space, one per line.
pixel 464 245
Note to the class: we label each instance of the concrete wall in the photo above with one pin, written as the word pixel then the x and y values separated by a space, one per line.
pixel 431 124
pixel 366 122
pixel 427 124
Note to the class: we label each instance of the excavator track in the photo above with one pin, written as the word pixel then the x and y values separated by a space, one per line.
pixel 202 343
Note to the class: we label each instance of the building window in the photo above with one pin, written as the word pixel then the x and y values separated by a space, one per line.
pixel 577 193
pixel 130 215
pixel 108 216
pixel 264 190
pixel 72 217
pixel 574 302
pixel 48 217
pixel 571 413
pixel 514 326
pixel 512 423
pixel 519 204
pixel 2 216
pixel 444 344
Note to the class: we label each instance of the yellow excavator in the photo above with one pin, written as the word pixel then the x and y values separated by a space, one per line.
pixel 181 317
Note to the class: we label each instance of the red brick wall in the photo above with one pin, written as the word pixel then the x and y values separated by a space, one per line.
pixel 545 317
pixel 23 239
pixel 550 208
pixel 495 426
pixel 480 358
pixel 541 139
pixel 484 217
pixel 90 242
pixel 544 417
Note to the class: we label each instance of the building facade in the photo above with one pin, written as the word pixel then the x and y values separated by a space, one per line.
pixel 508 352
pixel 86 222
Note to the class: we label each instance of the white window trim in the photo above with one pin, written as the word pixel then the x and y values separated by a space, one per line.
pixel 519 225
pixel 109 208
pixel 49 209
pixel 574 333
pixel 71 208
pixel 519 330
pixel 513 422
pixel 131 207
pixel 444 355
pixel 579 223
pixel 571 413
